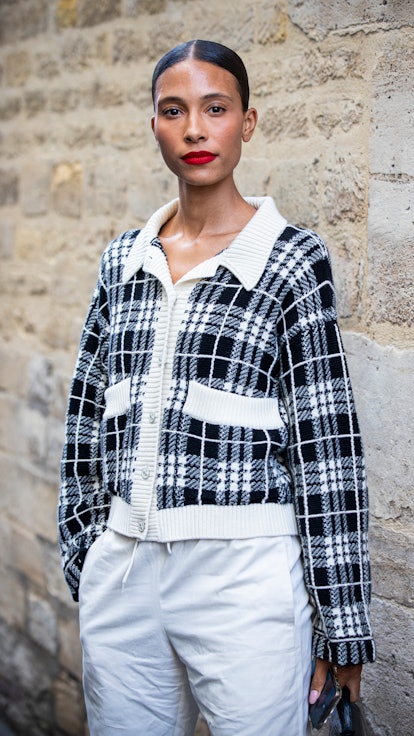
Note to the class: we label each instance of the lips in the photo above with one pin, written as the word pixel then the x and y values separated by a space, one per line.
pixel 195 158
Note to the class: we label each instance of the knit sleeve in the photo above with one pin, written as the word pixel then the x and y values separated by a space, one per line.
pixel 325 458
pixel 83 506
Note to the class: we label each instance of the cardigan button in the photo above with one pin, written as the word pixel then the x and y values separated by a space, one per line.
pixel 145 473
pixel 141 525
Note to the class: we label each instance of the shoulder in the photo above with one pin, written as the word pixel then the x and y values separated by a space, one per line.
pixel 303 241
pixel 116 253
pixel 299 252
pixel 121 245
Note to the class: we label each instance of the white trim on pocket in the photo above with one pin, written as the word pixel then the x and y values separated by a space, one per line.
pixel 220 407
pixel 117 399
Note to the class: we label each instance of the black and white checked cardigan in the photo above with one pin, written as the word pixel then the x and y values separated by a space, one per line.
pixel 271 335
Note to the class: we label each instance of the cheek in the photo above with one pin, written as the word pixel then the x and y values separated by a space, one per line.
pixel 233 141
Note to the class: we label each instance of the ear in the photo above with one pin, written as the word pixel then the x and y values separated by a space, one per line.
pixel 249 123
pixel 153 124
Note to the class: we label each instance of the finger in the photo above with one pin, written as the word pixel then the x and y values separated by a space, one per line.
pixel 318 680
pixel 353 687
pixel 351 677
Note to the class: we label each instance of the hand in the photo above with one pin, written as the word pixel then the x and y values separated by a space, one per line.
pixel 349 675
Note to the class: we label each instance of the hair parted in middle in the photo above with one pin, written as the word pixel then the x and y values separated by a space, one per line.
pixel 211 52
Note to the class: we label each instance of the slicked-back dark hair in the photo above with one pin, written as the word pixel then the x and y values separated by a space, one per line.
pixel 213 53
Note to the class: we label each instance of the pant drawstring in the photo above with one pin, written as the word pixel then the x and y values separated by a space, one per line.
pixel 131 562
pixel 169 548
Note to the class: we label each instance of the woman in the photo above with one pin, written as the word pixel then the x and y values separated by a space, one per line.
pixel 213 489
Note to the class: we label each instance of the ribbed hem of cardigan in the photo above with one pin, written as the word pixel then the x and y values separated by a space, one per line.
pixel 205 522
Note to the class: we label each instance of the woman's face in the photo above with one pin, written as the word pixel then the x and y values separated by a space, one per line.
pixel 199 122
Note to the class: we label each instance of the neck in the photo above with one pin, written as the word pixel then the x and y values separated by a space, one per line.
pixel 214 209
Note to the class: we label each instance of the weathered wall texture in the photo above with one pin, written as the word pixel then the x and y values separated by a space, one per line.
pixel 333 85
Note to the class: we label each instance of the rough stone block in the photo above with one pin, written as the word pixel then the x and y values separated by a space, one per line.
pixel 30 674
pixel 70 650
pixel 319 17
pixel 10 379
pixel 101 94
pixel 29 245
pixel 9 429
pixel 392 558
pixel 346 254
pixel 46 66
pixel 126 135
pixel 128 47
pixel 141 199
pixel 315 67
pixel 67 189
pixel 390 282
pixel 394 629
pixel 132 8
pixel 82 136
pixel 27 497
pixel 26 555
pixel 342 113
pixel 54 442
pixel 22 19
pixel 36 179
pixel 217 20
pixel 66 13
pixel 382 379
pixel 295 189
pixel 106 194
pixel 270 22
pixel 12 600
pixel 9 187
pixel 93 12
pixel 344 188
pixel 392 111
pixel 17 67
pixel 32 427
pixel 55 581
pixel 290 121
pixel 62 100
pixel 40 383
pixel 42 623
pixel 77 53
pixel 35 101
pixel 266 78
pixel 69 706
pixel 10 106
pixel 6 239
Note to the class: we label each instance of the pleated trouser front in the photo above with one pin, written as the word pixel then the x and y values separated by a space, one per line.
pixel 216 626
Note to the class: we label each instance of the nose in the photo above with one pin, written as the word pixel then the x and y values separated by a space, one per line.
pixel 195 129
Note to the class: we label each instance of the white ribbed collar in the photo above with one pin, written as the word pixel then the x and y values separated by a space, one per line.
pixel 245 257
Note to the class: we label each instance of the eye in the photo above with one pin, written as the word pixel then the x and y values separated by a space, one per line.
pixel 171 112
pixel 216 109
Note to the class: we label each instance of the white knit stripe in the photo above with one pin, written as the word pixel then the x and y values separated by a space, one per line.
pixel 220 407
pixel 117 399
pixel 209 521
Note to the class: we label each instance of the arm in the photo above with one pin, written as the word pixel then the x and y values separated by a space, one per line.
pixel 325 457
pixel 83 506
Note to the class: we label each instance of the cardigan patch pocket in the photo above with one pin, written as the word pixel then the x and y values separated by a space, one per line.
pixel 221 407
pixel 113 425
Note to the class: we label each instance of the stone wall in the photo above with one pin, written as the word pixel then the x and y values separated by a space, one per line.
pixel 333 85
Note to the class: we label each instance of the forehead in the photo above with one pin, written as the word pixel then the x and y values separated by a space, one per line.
pixel 192 76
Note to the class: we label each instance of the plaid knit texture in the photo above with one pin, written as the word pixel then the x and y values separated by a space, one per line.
pixel 277 340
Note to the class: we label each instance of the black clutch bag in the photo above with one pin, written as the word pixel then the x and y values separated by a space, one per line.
pixel 347 718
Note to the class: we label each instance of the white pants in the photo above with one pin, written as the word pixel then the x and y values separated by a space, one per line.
pixel 220 627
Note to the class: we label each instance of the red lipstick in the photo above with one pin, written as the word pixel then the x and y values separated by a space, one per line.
pixel 195 158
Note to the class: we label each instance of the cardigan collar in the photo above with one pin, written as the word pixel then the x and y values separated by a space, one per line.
pixel 245 257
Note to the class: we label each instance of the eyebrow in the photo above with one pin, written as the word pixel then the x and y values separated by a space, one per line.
pixel 210 96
